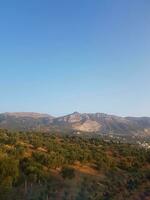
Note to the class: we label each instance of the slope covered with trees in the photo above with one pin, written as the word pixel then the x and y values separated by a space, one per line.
pixel 39 166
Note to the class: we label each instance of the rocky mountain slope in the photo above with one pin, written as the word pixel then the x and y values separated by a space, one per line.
pixel 81 122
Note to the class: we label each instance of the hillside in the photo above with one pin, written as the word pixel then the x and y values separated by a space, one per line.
pixel 40 166
pixel 80 122
pixel 25 121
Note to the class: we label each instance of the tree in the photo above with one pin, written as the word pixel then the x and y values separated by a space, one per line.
pixel 68 172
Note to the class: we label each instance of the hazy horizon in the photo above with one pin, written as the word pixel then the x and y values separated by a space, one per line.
pixel 64 114
pixel 58 57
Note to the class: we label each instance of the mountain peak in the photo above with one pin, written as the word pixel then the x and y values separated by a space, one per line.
pixel 85 122
pixel 76 113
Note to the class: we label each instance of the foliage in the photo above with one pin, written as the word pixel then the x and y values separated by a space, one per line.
pixel 67 172
pixel 46 166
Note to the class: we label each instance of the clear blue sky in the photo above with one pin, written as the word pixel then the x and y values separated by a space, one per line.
pixel 60 56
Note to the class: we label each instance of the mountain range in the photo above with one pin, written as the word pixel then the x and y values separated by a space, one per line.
pixel 78 122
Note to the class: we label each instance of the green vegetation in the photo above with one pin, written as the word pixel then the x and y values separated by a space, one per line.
pixel 36 166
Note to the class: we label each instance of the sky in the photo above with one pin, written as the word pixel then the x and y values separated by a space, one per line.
pixel 61 56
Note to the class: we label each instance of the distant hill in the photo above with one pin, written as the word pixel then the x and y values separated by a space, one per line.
pixel 80 122
pixel 105 124
pixel 25 121
pixel 28 114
